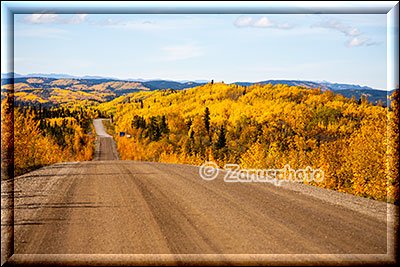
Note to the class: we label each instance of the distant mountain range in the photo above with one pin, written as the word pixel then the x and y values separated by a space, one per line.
pixel 67 76
pixel 57 88
pixel 325 85
pixel 311 84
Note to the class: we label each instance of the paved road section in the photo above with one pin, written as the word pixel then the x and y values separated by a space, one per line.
pixel 127 207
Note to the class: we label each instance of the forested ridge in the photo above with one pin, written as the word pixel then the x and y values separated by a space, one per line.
pixel 263 127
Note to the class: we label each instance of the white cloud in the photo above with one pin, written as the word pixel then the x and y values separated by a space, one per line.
pixel 39 18
pixel 285 26
pixel 353 32
pixel 264 22
pixel 46 18
pixel 355 41
pixel 76 19
pixel 243 21
pixel 349 31
pixel 336 25
pixel 181 52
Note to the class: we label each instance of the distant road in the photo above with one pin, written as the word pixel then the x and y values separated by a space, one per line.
pixel 129 207
pixel 99 127
pixel 106 149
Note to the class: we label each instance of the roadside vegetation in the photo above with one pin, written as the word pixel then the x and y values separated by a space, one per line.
pixel 109 127
pixel 44 136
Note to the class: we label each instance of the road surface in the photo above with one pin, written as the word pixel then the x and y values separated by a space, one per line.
pixel 109 206
pixel 106 149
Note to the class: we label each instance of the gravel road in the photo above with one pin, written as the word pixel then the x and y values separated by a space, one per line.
pixel 153 210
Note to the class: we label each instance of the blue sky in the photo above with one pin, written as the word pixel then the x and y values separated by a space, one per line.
pixel 224 47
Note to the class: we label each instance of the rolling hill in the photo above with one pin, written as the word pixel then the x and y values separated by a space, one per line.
pixel 56 89
pixel 52 91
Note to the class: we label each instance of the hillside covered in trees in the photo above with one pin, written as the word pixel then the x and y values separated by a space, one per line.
pixel 264 127
pixel 50 92
pixel 44 136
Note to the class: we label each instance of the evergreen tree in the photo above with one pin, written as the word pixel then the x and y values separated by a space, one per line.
pixel 207 120
pixel 164 125
pixel 153 130
pixel 221 142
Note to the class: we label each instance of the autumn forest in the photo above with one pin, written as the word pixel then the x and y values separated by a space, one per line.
pixel 354 141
